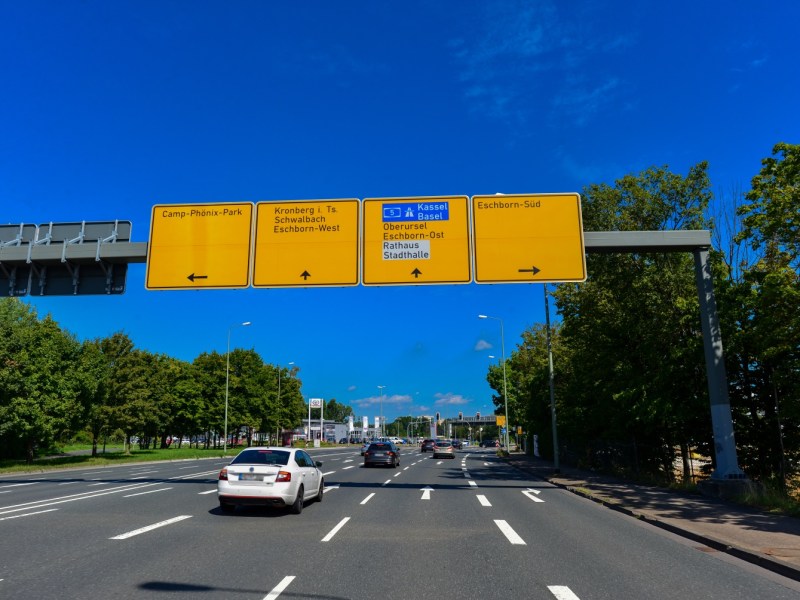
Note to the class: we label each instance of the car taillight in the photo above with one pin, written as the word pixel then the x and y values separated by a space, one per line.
pixel 223 475
pixel 283 476
pixel 390 453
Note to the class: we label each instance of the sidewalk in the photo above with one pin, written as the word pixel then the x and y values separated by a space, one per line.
pixel 770 541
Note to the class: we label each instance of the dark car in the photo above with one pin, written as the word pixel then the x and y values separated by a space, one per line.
pixel 382 453
pixel 490 444
pixel 457 444
pixel 427 445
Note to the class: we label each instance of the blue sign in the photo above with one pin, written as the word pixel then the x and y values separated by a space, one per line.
pixel 416 211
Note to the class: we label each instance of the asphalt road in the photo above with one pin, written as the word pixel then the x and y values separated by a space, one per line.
pixel 470 528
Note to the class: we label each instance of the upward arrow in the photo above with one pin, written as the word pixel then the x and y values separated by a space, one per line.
pixel 426 493
pixel 416 273
pixel 305 275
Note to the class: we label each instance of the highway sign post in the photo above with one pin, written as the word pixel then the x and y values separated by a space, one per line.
pixel 195 246
pixel 306 243
pixel 528 238
pixel 410 241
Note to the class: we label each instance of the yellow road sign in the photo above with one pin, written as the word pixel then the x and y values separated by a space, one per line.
pixel 199 246
pixel 408 241
pixel 528 238
pixel 500 420
pixel 305 243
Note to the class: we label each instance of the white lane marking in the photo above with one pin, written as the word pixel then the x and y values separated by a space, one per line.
pixel 426 493
pixel 368 498
pixel 13 485
pixel 398 473
pixel 153 471
pixel 214 491
pixel 27 515
pixel 80 496
pixel 147 492
pixel 466 474
pixel 562 592
pixel 487 464
pixel 472 484
pixel 388 481
pixel 510 534
pixel 483 500
pixel 530 494
pixel 348 460
pixel 329 472
pixel 350 467
pixel 67 482
pixel 333 531
pixel 125 536
pixel 328 488
pixel 440 462
pixel 189 467
pixel 406 469
pixel 276 591
pixel 90 473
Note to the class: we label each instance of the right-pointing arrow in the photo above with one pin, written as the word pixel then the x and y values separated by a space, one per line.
pixel 532 270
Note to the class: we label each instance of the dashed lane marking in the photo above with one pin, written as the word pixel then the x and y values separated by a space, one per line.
pixel 276 591
pixel 130 534
pixel 334 531
pixel 509 532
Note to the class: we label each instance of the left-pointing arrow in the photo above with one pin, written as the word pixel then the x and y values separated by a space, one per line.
pixel 192 277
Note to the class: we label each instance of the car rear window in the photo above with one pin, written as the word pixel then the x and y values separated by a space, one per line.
pixel 262 457
pixel 443 444
pixel 380 447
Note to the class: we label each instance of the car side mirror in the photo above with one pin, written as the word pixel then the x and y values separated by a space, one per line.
pixel 318 464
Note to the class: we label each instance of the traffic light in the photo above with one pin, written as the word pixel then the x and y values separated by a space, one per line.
pixel 478 415
pixel 437 418
pixel 460 416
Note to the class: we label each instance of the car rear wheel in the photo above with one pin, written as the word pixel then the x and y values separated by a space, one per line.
pixel 297 506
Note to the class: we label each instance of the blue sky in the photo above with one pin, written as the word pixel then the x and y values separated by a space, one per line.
pixel 108 108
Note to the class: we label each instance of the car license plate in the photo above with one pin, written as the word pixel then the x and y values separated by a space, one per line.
pixel 379 454
pixel 248 477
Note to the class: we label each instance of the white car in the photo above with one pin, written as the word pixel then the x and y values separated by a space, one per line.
pixel 270 476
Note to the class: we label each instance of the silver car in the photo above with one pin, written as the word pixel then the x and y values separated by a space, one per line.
pixel 443 448
pixel 270 476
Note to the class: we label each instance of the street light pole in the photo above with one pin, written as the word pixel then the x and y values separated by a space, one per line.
pixel 227 384
pixel 552 384
pixel 505 388
pixel 380 387
pixel 277 422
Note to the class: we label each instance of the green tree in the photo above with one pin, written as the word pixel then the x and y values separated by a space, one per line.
pixel 40 380
pixel 762 299
pixel 636 388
